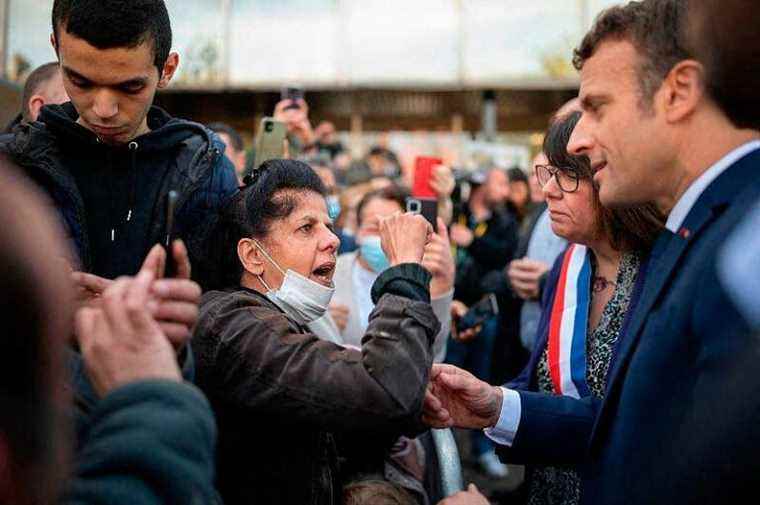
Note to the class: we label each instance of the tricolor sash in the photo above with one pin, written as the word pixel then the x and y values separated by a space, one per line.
pixel 568 324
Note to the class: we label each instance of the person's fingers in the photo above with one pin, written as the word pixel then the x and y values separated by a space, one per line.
pixel 178 334
pixel 177 312
pixel 523 285
pixel 443 231
pixel 431 402
pixel 84 323
pixel 181 259
pixel 458 381
pixel 113 306
pixel 177 290
pixel 90 282
pixel 136 304
pixel 524 276
pixel 155 261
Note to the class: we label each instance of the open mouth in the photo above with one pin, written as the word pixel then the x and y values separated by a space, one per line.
pixel 598 167
pixel 324 273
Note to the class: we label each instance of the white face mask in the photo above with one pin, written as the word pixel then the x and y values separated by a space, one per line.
pixel 301 298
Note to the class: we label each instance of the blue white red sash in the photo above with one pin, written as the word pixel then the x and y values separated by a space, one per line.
pixel 569 323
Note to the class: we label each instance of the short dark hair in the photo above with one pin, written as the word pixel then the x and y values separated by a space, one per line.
pixel 631 229
pixel 394 192
pixel 516 174
pixel 270 194
pixel 654 27
pixel 108 24
pixel 725 38
pixel 232 133
pixel 39 77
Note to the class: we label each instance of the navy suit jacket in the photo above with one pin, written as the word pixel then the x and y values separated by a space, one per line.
pixel 555 430
pixel 679 422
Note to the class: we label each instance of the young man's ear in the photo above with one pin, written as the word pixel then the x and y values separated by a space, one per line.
pixel 250 257
pixel 170 67
pixel 54 43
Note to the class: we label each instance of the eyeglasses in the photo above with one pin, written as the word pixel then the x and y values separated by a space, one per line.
pixel 566 180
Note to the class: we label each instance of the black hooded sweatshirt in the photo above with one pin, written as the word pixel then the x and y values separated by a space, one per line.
pixel 112 198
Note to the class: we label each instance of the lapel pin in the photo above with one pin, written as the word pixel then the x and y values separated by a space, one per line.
pixel 684 233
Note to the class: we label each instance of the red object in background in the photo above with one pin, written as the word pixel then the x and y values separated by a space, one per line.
pixel 423 172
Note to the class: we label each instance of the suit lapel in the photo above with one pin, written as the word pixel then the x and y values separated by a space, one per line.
pixel 664 263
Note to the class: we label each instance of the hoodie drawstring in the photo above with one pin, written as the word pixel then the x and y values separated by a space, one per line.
pixel 133 147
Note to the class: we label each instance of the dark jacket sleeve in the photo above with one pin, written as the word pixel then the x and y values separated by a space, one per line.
pixel 150 443
pixel 553 430
pixel 264 362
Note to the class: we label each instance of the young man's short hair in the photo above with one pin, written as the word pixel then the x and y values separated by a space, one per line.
pixel 38 78
pixel 655 27
pixel 109 24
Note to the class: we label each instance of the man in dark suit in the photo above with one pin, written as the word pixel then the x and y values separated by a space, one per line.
pixel 654 133
pixel 673 427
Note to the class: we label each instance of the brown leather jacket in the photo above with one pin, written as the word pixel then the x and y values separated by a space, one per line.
pixel 280 393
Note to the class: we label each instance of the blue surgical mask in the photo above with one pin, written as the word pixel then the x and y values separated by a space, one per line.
pixel 333 207
pixel 373 254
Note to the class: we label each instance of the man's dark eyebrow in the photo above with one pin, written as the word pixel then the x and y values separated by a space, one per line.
pixel 137 81
pixel 74 74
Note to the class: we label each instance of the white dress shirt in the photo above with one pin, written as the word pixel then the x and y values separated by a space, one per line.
pixel 684 205
pixel 509 421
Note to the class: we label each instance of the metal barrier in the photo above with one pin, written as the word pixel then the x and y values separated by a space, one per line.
pixel 450 466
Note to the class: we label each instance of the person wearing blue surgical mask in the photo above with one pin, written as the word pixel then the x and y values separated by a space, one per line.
pixel 282 395
pixel 356 272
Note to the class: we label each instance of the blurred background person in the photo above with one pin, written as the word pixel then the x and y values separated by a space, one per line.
pixel 234 147
pixel 327 142
pixel 44 86
pixel 485 237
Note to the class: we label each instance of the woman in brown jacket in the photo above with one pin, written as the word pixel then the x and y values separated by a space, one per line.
pixel 279 392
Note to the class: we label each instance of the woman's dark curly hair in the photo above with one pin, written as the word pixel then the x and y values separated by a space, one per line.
pixel 269 194
pixel 630 229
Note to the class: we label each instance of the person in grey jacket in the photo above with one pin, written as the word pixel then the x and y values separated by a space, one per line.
pixel 280 393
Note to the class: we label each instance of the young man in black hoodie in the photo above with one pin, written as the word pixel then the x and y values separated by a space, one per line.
pixel 109 158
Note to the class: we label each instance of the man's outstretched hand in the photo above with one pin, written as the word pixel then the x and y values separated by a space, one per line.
pixel 456 398
pixel 172 302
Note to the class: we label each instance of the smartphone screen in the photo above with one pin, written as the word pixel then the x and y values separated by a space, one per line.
pixel 423 172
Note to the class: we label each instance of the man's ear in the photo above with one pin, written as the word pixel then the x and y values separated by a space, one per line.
pixel 250 257
pixel 35 104
pixel 684 90
pixel 170 67
pixel 54 43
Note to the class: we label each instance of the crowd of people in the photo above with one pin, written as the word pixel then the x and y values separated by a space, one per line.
pixel 188 328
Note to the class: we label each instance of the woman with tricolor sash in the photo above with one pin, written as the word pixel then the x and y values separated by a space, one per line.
pixel 592 289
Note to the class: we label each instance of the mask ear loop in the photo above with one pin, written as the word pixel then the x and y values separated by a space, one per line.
pixel 272 261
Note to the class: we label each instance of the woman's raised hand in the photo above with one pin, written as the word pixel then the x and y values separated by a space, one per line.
pixel 403 237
